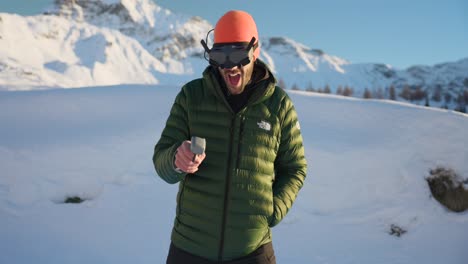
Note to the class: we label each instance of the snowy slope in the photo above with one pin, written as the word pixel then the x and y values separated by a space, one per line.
pixel 367 166
pixel 53 51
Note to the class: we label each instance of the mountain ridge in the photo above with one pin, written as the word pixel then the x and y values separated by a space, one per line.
pixel 173 40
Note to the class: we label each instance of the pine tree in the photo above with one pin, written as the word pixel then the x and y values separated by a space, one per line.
pixel 339 91
pixel 367 94
pixel 379 94
pixel 447 100
pixel 461 107
pixel 327 89
pixel 310 87
pixel 418 94
pixel 406 93
pixel 437 95
pixel 392 93
pixel 348 91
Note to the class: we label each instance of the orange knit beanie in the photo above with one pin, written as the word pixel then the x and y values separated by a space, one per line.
pixel 236 26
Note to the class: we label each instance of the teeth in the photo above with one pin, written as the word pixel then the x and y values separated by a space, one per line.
pixel 232 74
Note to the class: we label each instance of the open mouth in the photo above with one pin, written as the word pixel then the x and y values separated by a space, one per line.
pixel 233 79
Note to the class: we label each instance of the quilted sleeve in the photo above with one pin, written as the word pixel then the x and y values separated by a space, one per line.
pixel 173 134
pixel 290 163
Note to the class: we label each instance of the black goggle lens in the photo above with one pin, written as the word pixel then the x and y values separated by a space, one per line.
pixel 228 57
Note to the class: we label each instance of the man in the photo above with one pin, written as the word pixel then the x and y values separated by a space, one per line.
pixel 254 164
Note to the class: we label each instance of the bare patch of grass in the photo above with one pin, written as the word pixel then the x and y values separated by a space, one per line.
pixel 74 200
pixel 396 230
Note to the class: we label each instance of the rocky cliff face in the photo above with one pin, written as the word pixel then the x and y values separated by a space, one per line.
pixel 164 34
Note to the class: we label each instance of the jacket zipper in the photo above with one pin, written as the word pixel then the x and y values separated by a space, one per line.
pixel 241 136
pixel 226 192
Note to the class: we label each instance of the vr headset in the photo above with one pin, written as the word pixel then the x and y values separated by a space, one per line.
pixel 230 55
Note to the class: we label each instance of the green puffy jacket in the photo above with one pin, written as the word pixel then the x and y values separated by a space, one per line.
pixel 253 170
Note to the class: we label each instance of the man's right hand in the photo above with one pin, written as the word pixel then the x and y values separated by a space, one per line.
pixel 184 158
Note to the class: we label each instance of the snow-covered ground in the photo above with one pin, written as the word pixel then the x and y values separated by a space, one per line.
pixel 367 166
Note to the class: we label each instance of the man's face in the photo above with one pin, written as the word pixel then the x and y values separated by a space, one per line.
pixel 237 78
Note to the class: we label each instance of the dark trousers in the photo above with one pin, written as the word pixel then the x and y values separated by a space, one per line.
pixel 263 255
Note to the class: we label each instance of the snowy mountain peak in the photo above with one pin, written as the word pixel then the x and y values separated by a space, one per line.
pixel 300 58
pixel 288 44
pixel 142 12
pixel 168 36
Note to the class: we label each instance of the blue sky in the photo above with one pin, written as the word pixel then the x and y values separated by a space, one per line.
pixel 401 33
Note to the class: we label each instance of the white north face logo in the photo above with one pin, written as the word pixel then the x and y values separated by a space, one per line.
pixel 264 125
